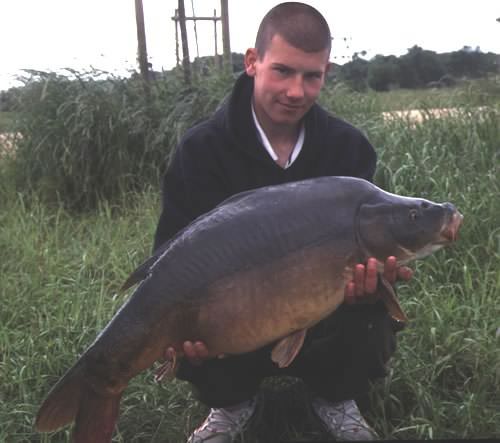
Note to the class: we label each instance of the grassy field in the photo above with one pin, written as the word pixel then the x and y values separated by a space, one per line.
pixel 61 272
pixel 6 119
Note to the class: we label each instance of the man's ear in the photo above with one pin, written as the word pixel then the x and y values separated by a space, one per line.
pixel 327 68
pixel 250 61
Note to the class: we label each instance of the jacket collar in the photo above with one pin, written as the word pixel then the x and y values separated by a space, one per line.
pixel 235 115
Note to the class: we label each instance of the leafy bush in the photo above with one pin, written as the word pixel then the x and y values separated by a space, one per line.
pixel 86 138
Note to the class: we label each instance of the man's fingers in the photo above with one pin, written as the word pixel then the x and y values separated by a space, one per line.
pixel 405 273
pixel 390 269
pixel 364 282
pixel 393 272
pixel 359 280
pixel 349 293
pixel 195 352
pixel 201 350
pixel 189 350
pixel 371 277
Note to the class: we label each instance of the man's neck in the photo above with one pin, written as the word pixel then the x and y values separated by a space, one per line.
pixel 279 135
pixel 283 142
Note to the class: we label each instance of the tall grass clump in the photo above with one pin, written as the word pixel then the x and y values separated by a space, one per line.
pixel 60 278
pixel 357 106
pixel 6 121
pixel 87 139
pixel 445 381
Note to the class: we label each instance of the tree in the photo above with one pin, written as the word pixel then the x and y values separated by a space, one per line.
pixel 420 67
pixel 355 73
pixel 471 63
pixel 383 73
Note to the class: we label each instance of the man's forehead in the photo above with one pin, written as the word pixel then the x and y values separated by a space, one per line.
pixel 280 51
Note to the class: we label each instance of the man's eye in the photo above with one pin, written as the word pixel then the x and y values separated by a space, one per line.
pixel 282 70
pixel 313 75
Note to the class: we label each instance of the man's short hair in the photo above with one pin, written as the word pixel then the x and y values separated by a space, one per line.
pixel 301 25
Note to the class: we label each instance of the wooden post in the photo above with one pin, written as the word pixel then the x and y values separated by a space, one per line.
pixel 217 58
pixel 226 45
pixel 185 48
pixel 177 57
pixel 142 54
pixel 182 21
pixel 215 32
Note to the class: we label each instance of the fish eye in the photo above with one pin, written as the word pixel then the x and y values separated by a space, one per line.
pixel 425 205
pixel 412 215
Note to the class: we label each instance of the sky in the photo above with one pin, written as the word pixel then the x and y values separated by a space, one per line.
pixel 52 35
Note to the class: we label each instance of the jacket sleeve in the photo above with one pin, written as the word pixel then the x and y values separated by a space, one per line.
pixel 192 185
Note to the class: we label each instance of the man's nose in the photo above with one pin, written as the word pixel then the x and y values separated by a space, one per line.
pixel 295 88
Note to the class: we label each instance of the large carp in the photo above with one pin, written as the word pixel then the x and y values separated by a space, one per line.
pixel 262 267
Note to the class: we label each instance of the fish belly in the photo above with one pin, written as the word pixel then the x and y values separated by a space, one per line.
pixel 254 307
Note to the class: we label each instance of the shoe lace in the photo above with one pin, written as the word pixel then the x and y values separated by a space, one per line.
pixel 344 416
pixel 230 421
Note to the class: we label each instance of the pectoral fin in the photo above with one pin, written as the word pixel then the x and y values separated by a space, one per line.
pixel 390 299
pixel 167 370
pixel 287 348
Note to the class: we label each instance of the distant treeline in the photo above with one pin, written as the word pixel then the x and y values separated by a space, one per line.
pixel 418 68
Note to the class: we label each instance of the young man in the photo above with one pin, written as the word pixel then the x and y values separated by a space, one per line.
pixel 271 131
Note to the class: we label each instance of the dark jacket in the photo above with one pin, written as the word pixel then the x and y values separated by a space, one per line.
pixel 223 156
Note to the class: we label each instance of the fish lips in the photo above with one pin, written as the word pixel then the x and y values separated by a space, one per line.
pixel 449 232
pixel 447 235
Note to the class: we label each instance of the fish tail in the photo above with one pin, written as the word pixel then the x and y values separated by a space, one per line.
pixel 61 404
pixel 96 418
pixel 72 399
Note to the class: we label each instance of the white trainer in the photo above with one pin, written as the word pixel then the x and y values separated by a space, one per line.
pixel 223 425
pixel 343 420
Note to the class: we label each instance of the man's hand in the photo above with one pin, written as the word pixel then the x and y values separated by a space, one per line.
pixel 196 352
pixel 362 288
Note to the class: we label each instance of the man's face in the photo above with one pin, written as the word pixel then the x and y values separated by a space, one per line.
pixel 287 81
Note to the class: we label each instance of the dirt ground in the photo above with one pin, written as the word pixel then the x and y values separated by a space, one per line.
pixel 418 115
pixel 8 142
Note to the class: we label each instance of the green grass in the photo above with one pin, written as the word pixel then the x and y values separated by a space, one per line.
pixel 61 273
pixel 6 121
pixel 468 93
pixel 481 92
pixel 85 138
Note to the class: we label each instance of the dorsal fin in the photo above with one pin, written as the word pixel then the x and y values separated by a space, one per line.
pixel 139 274
pixel 235 197
pixel 142 271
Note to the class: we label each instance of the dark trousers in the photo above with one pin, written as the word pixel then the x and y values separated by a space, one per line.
pixel 340 356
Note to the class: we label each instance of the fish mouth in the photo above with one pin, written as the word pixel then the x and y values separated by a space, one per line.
pixel 449 233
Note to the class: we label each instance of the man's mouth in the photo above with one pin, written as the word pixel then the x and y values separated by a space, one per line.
pixel 291 107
